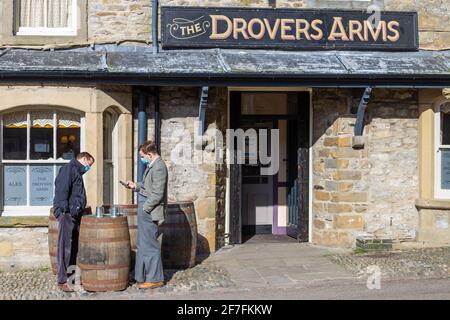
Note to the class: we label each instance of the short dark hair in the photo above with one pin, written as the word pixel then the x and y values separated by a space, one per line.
pixel 86 155
pixel 148 147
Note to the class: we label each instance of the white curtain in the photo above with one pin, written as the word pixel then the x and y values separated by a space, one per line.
pixel 46 13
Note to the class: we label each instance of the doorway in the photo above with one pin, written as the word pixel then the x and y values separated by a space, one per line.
pixel 275 203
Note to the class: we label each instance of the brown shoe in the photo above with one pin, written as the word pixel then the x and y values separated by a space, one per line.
pixel 65 287
pixel 150 285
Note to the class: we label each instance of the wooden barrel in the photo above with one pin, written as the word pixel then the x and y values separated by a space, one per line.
pixel 104 253
pixel 129 211
pixel 53 237
pixel 179 236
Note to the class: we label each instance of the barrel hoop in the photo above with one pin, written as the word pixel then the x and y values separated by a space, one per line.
pixel 102 266
pixel 103 226
pixel 132 227
pixel 100 240
pixel 103 282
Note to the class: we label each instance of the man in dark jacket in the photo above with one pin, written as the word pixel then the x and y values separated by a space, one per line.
pixel 68 205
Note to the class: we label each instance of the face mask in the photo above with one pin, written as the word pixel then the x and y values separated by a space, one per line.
pixel 145 161
pixel 87 168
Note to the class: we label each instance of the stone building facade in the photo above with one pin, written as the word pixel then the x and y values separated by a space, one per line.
pixel 385 190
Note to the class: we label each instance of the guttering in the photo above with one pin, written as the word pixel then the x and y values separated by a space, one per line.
pixel 274 80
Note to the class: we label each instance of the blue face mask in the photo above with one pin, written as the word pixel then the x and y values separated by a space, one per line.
pixel 146 162
pixel 87 168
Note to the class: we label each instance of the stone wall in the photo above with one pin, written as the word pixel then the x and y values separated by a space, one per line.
pixel 23 248
pixel 370 190
pixel 119 20
pixel 199 179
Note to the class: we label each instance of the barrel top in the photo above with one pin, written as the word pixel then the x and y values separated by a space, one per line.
pixel 91 219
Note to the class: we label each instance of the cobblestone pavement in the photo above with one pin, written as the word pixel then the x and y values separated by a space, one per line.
pixel 411 263
pixel 40 284
pixel 248 268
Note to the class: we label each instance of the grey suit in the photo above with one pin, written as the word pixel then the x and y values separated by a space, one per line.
pixel 151 211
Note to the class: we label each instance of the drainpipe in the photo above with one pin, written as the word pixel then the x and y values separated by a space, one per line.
pixel 155 6
pixel 157 122
pixel 142 130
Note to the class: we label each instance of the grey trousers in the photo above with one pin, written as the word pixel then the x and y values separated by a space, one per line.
pixel 69 229
pixel 149 266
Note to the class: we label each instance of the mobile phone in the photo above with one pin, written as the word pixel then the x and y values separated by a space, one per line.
pixel 124 183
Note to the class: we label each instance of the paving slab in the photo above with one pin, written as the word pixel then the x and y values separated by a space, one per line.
pixel 271 262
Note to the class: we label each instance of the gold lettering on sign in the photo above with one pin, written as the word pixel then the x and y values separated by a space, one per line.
pixel 392 27
pixel 214 31
pixel 239 26
pixel 302 27
pixel 251 30
pixel 380 29
pixel 337 24
pixel 272 30
pixel 315 26
pixel 355 28
pixel 285 28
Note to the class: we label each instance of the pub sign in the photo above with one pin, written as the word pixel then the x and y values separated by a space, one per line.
pixel 287 29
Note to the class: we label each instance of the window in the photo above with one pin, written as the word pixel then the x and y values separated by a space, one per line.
pixel 35 145
pixel 46 17
pixel 442 145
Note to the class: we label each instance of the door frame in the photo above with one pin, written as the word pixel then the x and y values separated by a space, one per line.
pixel 229 198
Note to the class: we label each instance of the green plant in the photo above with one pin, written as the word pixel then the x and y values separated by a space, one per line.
pixel 359 251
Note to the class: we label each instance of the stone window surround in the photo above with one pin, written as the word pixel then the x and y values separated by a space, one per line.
pixel 429 104
pixel 92 101
pixel 8 36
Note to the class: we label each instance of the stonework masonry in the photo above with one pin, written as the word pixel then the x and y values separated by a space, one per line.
pixel 370 190
pixel 201 181
pixel 120 20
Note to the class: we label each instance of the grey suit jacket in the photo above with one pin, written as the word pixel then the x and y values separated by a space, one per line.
pixel 155 184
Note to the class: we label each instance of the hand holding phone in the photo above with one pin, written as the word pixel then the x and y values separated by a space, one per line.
pixel 125 184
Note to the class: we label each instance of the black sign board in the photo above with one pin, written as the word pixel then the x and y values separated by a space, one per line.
pixel 288 29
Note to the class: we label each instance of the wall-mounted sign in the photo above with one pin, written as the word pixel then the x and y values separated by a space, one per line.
pixel 289 29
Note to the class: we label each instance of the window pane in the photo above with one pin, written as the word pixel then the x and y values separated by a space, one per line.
pixel 107 183
pixel 41 185
pixel 14 143
pixel 46 13
pixel 41 135
pixel 15 185
pixel 15 136
pixel 445 128
pixel 68 136
pixel 68 143
pixel 107 135
pixel 445 169
pixel 41 143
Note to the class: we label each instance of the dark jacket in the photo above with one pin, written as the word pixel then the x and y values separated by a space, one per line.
pixel 70 195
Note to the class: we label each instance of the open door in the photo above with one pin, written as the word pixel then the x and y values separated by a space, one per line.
pixel 298 194
pixel 235 177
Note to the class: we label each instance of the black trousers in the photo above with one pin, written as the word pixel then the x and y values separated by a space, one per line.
pixel 69 230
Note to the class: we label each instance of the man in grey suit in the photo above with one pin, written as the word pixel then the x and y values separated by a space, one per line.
pixel 151 211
